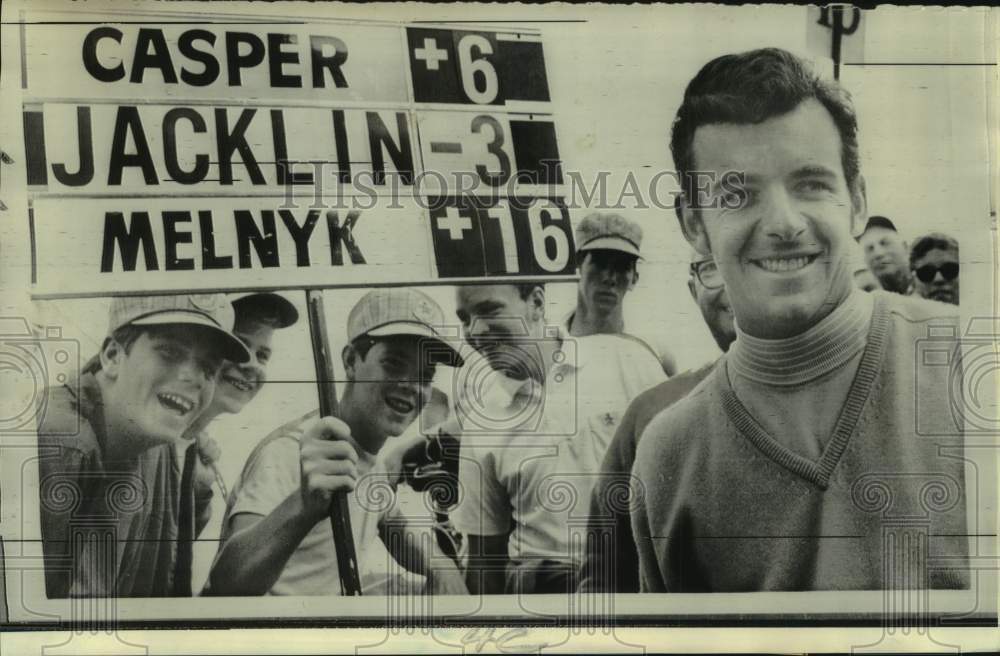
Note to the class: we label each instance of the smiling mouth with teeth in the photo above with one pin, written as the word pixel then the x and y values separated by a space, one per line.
pixel 238 383
pixel 176 402
pixel 785 264
pixel 399 405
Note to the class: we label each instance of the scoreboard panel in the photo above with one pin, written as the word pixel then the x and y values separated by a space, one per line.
pixel 171 144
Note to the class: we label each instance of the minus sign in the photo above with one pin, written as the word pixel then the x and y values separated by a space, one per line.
pixel 446 147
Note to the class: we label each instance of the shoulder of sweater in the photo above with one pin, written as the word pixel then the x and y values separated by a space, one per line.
pixel 671 390
pixel 915 309
pixel 671 429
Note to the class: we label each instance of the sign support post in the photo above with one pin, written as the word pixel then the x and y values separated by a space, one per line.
pixel 340 518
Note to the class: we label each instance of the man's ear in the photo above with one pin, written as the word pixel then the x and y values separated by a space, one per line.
pixel 112 354
pixel 349 357
pixel 537 302
pixel 635 278
pixel 693 227
pixel 859 207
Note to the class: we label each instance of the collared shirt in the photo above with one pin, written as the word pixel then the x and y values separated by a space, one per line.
pixel 143 508
pixel 533 479
pixel 272 473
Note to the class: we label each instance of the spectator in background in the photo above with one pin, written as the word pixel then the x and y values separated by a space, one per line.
pixel 934 261
pixel 607 256
pixel 258 314
pixel 612 562
pixel 865 280
pixel 887 255
pixel 544 426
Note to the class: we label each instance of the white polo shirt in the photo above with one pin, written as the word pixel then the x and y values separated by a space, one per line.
pixel 534 478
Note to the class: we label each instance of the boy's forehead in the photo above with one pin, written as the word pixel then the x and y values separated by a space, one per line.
pixel 471 295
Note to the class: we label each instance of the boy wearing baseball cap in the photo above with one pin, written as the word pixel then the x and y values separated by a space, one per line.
pixel 257 316
pixel 116 510
pixel 276 538
pixel 607 257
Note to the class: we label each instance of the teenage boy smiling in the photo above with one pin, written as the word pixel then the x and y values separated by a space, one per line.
pixel 117 511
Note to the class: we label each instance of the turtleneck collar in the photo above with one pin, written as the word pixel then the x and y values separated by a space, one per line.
pixel 799 359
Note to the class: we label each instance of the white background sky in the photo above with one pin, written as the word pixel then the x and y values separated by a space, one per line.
pixel 616 80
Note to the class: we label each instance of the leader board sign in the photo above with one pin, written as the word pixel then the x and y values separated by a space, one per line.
pixel 287 154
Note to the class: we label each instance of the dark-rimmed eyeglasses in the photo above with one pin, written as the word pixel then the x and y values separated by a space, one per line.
pixel 927 273
pixel 707 274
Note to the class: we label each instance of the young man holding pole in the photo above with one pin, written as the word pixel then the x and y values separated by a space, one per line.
pixel 793 465
pixel 276 534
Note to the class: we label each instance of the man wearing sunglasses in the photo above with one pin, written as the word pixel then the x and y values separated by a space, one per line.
pixel 934 261
pixel 611 563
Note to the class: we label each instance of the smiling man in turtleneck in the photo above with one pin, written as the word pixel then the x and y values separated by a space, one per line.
pixel 761 478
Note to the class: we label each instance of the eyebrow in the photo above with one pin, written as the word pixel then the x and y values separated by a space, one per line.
pixel 814 171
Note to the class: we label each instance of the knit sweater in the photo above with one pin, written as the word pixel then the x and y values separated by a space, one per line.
pixel 722 505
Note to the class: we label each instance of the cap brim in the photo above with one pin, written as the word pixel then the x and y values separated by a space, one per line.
pixel 449 355
pixel 610 244
pixel 231 347
pixel 283 308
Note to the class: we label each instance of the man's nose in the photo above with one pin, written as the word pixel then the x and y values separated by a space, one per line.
pixel 782 219
pixel 191 371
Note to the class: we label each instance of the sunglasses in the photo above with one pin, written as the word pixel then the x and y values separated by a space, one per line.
pixel 927 273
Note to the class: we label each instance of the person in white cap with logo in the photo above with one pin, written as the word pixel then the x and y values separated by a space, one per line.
pixel 607 257
pixel 258 315
pixel 276 538
pixel 107 470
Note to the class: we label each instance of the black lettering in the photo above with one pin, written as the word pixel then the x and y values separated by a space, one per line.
pixel 209 260
pixel 300 234
pixel 85 146
pixel 159 58
pixel 281 153
pixel 90 61
pixel 340 140
pixel 401 154
pixel 322 62
pixel 343 235
pixel 128 241
pixel 264 242
pixel 127 120
pixel 34 148
pixel 170 146
pixel 172 237
pixel 279 58
pixel 186 46
pixel 235 61
pixel 229 142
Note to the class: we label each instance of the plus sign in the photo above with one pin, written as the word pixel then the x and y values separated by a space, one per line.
pixel 454 223
pixel 430 54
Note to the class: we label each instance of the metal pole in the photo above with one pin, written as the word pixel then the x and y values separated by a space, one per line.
pixel 340 518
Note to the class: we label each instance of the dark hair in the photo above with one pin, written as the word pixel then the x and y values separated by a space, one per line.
pixel 933 241
pixel 879 222
pixel 125 336
pixel 582 255
pixel 524 289
pixel 749 88
pixel 248 315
